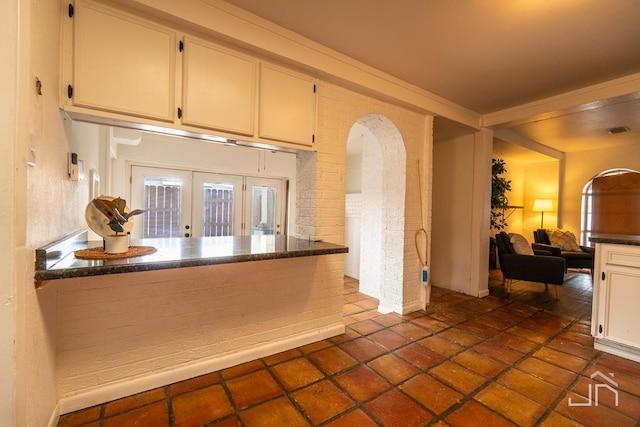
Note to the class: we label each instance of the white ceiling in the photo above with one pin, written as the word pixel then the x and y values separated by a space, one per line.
pixel 489 55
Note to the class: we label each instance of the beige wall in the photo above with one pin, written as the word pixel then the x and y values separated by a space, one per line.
pixel 10 204
pixel 529 182
pixel 461 202
pixel 541 182
pixel 47 206
pixel 452 210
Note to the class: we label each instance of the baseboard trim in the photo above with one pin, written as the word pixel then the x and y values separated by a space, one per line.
pixel 128 387
pixel 483 293
pixel 55 416
pixel 619 349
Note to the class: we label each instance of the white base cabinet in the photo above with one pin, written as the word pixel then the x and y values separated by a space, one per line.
pixel 616 294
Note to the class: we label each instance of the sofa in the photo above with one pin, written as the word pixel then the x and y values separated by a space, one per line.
pixel 575 256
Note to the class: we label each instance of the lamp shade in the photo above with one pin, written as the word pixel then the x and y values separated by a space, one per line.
pixel 542 205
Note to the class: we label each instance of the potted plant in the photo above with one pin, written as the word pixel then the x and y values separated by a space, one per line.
pixel 499 188
pixel 499 202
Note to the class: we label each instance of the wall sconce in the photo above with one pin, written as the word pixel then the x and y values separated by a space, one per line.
pixel 542 205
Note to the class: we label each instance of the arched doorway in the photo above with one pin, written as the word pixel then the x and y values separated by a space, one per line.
pixel 376 181
pixel 587 202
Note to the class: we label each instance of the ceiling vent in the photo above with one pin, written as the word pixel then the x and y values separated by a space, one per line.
pixel 618 129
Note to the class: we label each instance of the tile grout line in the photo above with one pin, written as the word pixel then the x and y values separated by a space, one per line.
pixel 470 396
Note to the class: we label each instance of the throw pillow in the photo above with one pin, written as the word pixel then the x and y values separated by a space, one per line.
pixel 563 239
pixel 520 244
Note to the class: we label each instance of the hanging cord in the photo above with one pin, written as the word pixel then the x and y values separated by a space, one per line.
pixel 421 233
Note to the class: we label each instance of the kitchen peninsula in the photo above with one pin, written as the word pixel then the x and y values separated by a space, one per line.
pixel 193 307
pixel 616 292
pixel 57 261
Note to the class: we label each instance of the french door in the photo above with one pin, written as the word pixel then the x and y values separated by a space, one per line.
pixel 265 202
pixel 181 203
pixel 217 205
pixel 165 195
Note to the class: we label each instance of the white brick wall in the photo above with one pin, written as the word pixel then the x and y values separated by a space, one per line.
pixel 118 328
pixel 391 271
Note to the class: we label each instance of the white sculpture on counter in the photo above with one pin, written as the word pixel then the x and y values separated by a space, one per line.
pixel 110 218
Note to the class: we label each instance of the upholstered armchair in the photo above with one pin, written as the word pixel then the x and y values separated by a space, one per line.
pixel 564 245
pixel 528 265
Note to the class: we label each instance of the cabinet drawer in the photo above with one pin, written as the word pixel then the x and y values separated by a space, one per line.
pixel 624 257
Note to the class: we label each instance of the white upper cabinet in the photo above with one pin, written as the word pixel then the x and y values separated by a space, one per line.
pixel 122 63
pixel 218 87
pixel 287 106
pixel 125 69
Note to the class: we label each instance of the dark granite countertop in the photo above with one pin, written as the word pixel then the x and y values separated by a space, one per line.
pixel 57 260
pixel 617 239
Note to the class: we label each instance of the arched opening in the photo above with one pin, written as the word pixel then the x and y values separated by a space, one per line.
pixel 587 203
pixel 375 208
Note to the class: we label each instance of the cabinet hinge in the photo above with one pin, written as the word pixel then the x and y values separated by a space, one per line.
pixel 70 91
pixel 179 112
pixel 181 46
pixel 70 10
pixel 603 275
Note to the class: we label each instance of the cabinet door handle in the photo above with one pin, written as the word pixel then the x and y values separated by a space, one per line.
pixel 600 328
pixel 603 275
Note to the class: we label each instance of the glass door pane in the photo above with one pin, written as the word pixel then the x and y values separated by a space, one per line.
pixel 165 195
pixel 265 203
pixel 217 205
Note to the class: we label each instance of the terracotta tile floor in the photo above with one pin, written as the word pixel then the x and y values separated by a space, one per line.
pixel 494 361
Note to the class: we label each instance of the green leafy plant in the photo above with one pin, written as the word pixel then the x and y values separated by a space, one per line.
pixel 499 188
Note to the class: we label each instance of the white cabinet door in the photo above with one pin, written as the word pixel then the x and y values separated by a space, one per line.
pixel 122 63
pixel 287 106
pixel 218 89
pixel 621 317
pixel 616 294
